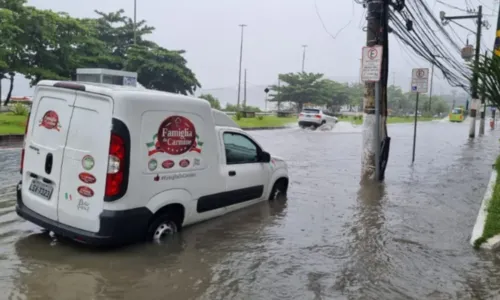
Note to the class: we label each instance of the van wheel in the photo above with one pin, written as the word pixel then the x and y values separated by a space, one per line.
pixel 279 191
pixel 161 228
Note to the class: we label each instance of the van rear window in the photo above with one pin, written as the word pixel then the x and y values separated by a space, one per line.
pixel 311 111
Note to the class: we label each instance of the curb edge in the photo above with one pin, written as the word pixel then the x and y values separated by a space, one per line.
pixel 478 228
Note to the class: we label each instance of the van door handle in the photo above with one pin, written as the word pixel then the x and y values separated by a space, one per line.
pixel 48 163
pixel 232 173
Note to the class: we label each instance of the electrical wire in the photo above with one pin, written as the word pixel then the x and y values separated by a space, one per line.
pixel 452 6
pixel 333 36
pixel 429 43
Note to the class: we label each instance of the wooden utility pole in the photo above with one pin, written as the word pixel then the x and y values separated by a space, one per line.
pixel 376 34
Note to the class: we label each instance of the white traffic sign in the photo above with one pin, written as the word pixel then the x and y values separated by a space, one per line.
pixel 371 64
pixel 420 80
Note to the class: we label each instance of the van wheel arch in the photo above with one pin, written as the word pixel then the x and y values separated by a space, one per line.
pixel 280 186
pixel 172 212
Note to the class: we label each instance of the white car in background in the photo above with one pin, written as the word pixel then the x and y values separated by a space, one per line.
pixel 312 117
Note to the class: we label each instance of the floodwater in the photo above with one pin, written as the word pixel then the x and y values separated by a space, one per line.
pixel 332 239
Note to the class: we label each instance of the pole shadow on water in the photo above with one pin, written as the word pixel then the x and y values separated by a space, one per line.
pixel 367 262
pixel 182 268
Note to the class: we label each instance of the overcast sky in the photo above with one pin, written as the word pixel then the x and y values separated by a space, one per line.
pixel 276 31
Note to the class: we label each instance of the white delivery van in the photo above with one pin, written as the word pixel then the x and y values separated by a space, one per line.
pixel 105 164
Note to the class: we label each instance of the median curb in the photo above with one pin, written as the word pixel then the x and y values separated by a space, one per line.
pixel 477 232
pixel 11 138
pixel 264 128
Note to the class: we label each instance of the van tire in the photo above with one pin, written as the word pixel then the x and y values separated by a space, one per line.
pixel 161 227
pixel 279 190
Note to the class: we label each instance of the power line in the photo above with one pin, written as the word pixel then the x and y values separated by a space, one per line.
pixel 323 23
pixel 428 42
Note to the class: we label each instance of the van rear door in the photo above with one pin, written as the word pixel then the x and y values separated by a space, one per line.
pixel 44 149
pixel 85 162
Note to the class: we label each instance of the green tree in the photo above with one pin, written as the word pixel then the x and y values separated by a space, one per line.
pixel 157 67
pixel 214 102
pixel 300 88
pixel 356 91
pixel 230 107
pixel 11 49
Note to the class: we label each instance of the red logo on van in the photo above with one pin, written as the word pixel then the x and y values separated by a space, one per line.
pixel 168 164
pixel 85 191
pixel 176 135
pixel 50 120
pixel 184 163
pixel 87 178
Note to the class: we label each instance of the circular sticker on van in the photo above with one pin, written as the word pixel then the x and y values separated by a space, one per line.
pixel 168 164
pixel 85 191
pixel 50 120
pixel 88 162
pixel 152 164
pixel 184 163
pixel 176 135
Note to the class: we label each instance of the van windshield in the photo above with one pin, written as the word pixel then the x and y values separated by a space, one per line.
pixel 456 111
pixel 311 111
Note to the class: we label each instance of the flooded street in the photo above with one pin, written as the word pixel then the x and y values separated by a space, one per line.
pixel 404 239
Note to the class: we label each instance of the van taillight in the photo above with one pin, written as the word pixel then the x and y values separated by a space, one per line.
pixel 317 116
pixel 24 142
pixel 116 165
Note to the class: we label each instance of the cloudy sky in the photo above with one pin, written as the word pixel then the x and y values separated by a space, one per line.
pixel 276 31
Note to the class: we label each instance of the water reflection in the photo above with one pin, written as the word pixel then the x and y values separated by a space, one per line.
pixel 179 269
pixel 368 262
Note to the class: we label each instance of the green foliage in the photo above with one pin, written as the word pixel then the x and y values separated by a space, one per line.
pixel 42 44
pixel 231 107
pixel 310 88
pixel 492 223
pixel 489 78
pixel 214 102
pixel 19 109
pixel 260 118
pixel 301 88
pixel 238 116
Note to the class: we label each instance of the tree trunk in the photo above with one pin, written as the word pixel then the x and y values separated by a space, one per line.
pixel 2 76
pixel 11 79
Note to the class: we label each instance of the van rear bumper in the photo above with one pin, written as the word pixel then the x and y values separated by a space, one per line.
pixel 116 227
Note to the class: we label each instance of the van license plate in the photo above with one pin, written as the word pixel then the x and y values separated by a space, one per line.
pixel 41 189
pixel 308 116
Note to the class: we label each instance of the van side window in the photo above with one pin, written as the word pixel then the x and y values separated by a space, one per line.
pixel 240 149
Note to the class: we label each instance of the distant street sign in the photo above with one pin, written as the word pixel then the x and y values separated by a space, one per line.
pixel 420 80
pixel 371 64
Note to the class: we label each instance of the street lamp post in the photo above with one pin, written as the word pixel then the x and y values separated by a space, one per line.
pixel 303 56
pixel 135 22
pixel 241 58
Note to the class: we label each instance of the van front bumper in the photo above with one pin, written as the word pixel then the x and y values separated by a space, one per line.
pixel 116 227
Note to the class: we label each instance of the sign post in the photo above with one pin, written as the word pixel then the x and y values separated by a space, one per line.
pixel 419 85
pixel 371 66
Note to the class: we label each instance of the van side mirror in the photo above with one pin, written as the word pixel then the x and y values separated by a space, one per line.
pixel 265 157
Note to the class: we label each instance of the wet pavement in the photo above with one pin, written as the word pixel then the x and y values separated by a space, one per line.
pixel 333 239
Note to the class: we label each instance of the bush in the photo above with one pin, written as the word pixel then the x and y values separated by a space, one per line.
pixel 19 109
pixel 238 115
pixel 260 118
